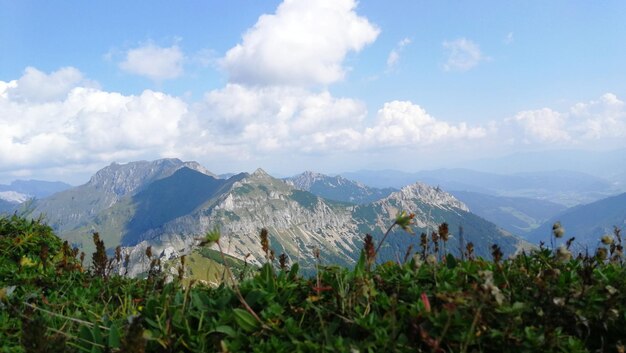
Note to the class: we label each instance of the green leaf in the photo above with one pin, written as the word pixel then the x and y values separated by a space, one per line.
pixel 293 272
pixel 227 330
pixel 359 269
pixel 114 336
pixel 451 261
pixel 267 275
pixel 245 320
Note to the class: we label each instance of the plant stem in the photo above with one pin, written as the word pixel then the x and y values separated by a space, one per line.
pixel 236 288
pixel 384 237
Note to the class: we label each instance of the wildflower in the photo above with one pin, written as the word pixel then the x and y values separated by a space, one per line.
pixel 607 239
pixel 405 220
pixel 490 287
pixel 426 302
pixel 558 301
pixel 610 289
pixel 417 261
pixel 282 261
pixel 444 232
pixel 431 259
pixel 265 242
pixel 370 252
pixel 27 262
pixel 558 230
pixel 563 254
pixel 601 253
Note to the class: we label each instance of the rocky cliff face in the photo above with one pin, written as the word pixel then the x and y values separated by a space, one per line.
pixel 337 188
pixel 420 199
pixel 297 222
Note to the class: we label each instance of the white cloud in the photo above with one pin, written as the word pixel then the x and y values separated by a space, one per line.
pixel 37 86
pixel 544 125
pixel 82 125
pixel 463 55
pixel 304 43
pixel 154 62
pixel 272 118
pixel 394 55
pixel 402 123
pixel 598 122
pixel 86 124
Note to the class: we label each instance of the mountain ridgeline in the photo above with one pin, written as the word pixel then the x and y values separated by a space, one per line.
pixel 586 223
pixel 338 188
pixel 168 204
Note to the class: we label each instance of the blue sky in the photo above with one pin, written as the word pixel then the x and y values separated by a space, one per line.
pixel 329 85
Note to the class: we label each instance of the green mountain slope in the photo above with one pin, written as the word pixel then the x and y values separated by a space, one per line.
pixel 169 198
pixel 587 222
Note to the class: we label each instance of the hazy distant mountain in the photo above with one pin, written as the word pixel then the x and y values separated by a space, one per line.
pixel 226 175
pixel 516 214
pixel 74 207
pixel 564 187
pixel 587 222
pixel 604 164
pixel 179 204
pixel 337 188
pixel 35 188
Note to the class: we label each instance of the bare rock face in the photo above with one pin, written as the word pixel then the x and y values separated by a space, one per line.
pixel 297 222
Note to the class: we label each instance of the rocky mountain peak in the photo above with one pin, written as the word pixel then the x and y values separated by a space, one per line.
pixel 305 180
pixel 427 194
pixel 260 173
pixel 124 179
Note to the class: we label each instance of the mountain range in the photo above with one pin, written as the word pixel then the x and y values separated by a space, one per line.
pixel 167 204
pixel 568 188
pixel 22 190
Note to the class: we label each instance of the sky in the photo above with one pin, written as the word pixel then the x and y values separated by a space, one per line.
pixel 324 85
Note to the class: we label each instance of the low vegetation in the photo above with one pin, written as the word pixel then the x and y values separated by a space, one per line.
pixel 548 300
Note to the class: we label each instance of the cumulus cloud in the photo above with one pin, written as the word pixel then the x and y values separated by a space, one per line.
pixel 544 125
pixel 585 122
pixel 154 62
pixel 276 117
pixel 463 55
pixel 401 123
pixel 304 43
pixel 37 86
pixel 83 124
pixel 394 56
